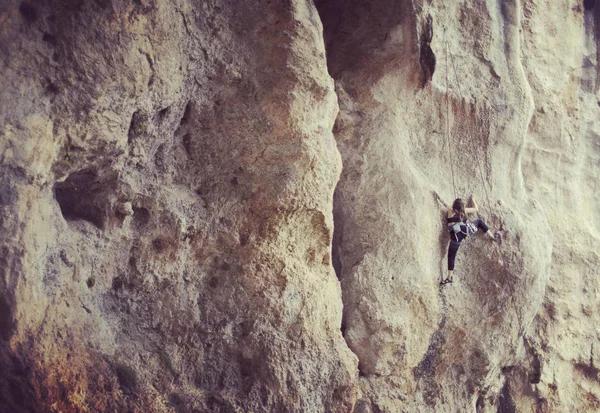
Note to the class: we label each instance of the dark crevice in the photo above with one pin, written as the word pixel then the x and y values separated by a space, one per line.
pixel 50 39
pixel 589 371
pixel 426 55
pixel 356 33
pixel 331 13
pixel 84 195
pixel 29 12
pixel 480 404
pixel 141 218
pixel 137 127
pixel 187 113
pixel 505 400
pixel 16 391
pixel 162 114
pixel 336 244
pixel 7 323
pixel 159 158
pixel 358 36
pixel 535 371
pixel 52 88
pixel 425 372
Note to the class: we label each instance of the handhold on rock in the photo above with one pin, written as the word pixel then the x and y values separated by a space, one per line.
pixel 125 208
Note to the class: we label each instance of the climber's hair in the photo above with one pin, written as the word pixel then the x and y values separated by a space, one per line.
pixel 459 208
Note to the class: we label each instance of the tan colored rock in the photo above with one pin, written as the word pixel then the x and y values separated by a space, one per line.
pixel 167 180
pixel 454 350
pixel 167 175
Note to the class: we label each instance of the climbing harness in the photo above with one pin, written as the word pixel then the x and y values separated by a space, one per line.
pixel 457 228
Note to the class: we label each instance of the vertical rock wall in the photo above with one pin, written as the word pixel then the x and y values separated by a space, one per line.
pixel 167 179
pixel 167 206
pixel 472 346
pixel 561 168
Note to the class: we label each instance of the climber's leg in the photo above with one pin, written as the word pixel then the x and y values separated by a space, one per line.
pixel 452 249
pixel 479 223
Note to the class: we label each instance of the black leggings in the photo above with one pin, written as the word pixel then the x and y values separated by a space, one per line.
pixel 454 244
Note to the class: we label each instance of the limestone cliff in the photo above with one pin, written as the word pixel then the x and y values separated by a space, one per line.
pixel 211 206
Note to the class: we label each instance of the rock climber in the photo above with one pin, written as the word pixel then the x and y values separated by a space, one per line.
pixel 460 228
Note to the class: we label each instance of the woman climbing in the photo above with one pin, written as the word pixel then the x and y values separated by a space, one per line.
pixel 460 228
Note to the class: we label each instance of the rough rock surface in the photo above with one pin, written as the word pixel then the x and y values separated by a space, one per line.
pixel 522 114
pixel 167 179
pixel 170 236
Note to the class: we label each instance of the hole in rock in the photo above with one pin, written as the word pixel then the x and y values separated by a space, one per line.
pixel 162 114
pixel 127 377
pixel 50 39
pixel 187 113
pixel 589 4
pixel 52 89
pixel 159 245
pixel 141 218
pixel 137 126
pixel 83 195
pixel 28 12
pixel 588 370
pixel 117 283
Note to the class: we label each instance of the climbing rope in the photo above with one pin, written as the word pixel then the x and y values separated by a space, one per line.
pixel 477 159
pixel 476 147
pixel 448 123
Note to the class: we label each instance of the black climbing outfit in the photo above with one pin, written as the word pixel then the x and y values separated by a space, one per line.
pixel 457 237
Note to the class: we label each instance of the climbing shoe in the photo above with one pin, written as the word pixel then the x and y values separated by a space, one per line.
pixel 497 238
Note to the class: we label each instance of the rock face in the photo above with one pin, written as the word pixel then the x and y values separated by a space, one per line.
pixel 170 236
pixel 167 180
pixel 467 98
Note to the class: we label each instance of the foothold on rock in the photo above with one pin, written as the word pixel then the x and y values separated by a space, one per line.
pixel 65 258
pixel 125 208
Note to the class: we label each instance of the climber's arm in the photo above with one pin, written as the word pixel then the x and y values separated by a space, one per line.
pixel 473 209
